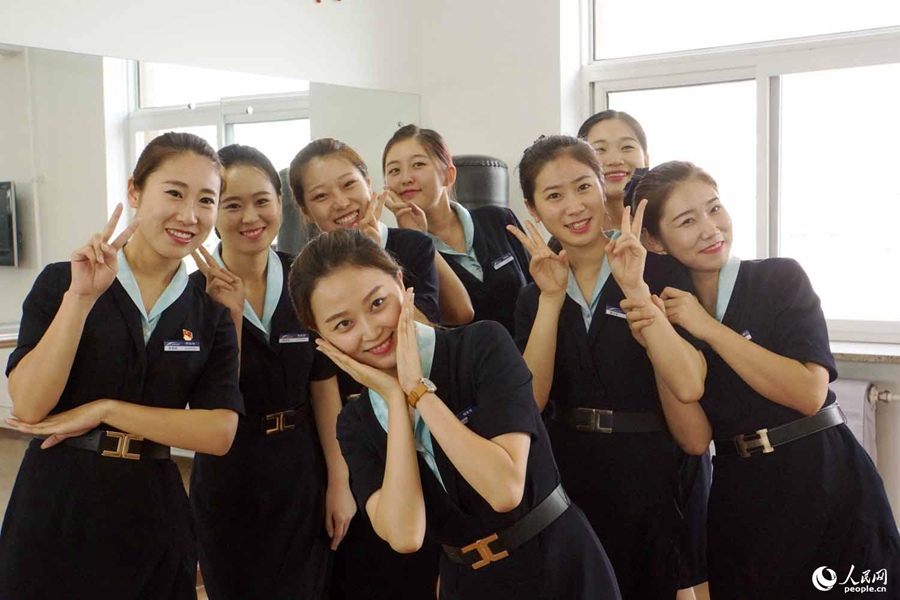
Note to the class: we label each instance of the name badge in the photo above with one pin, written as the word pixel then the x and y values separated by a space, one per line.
pixel 615 311
pixel 503 261
pixel 293 338
pixel 181 346
pixel 464 415
pixel 746 334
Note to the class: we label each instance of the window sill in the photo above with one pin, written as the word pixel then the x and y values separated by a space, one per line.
pixel 866 352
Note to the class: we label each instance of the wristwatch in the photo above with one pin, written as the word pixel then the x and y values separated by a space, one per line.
pixel 424 385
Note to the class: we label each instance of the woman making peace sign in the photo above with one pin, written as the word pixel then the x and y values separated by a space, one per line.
pixel 610 437
pixel 112 346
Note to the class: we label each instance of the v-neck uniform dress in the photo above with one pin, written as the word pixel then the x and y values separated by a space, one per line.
pixel 815 502
pixel 626 483
pixel 480 374
pixel 80 525
pixel 494 267
pixel 260 509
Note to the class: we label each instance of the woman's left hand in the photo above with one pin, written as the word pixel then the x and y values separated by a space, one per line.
pixel 70 423
pixel 408 214
pixel 384 384
pixel 684 309
pixel 627 256
pixel 222 285
pixel 409 366
pixel 340 507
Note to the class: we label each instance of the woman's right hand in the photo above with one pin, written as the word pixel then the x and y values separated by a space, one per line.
pixel 95 265
pixel 222 285
pixel 369 223
pixel 385 385
pixel 549 270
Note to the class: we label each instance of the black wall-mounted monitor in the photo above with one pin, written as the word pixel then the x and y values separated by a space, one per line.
pixel 9 235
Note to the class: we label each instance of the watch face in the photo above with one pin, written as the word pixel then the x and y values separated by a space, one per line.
pixel 429 385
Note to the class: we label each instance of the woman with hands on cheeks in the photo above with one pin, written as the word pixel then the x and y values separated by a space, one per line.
pixel 259 508
pixel 446 437
pixel 794 495
pixel 490 261
pixel 600 387
pixel 112 346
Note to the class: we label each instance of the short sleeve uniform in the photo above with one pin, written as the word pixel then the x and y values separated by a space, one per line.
pixel 260 508
pixel 503 262
pixel 813 502
pixel 79 525
pixel 626 483
pixel 480 374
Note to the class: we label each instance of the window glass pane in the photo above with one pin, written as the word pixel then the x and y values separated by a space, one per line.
pixel 279 140
pixel 840 204
pixel 713 126
pixel 657 26
pixel 174 85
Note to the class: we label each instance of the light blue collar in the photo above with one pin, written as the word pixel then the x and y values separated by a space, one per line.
pixel 425 336
pixel 384 231
pixel 727 278
pixel 173 291
pixel 274 287
pixel 466 259
pixel 574 292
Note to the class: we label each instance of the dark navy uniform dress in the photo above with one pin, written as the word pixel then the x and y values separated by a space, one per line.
pixel 479 372
pixel 626 483
pixel 365 566
pixel 260 509
pixel 815 502
pixel 500 262
pixel 83 526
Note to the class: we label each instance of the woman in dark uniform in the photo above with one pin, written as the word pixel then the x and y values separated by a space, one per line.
pixel 610 437
pixel 331 185
pixel 260 508
pixel 490 261
pixel 796 505
pixel 621 146
pixel 112 347
pixel 446 437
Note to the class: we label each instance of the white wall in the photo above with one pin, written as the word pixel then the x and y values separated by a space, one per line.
pixel 363 43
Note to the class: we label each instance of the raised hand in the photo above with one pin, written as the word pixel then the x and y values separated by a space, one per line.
pixel 549 270
pixel 408 214
pixel 384 384
pixel 222 285
pixel 409 366
pixel 369 223
pixel 95 265
pixel 683 309
pixel 626 254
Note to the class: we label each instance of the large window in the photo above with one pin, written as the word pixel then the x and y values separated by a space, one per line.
pixel 659 26
pixel 800 133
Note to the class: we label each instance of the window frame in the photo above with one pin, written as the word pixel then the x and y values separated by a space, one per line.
pixel 766 63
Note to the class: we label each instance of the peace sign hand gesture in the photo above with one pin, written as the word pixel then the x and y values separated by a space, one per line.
pixel 222 285
pixel 408 214
pixel 549 270
pixel 369 223
pixel 627 256
pixel 95 265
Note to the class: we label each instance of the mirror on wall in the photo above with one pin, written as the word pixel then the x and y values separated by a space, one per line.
pixel 73 124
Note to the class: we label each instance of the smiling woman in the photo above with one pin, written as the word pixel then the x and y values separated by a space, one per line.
pixel 112 347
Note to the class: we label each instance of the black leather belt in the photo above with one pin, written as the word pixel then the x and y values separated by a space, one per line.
pixel 480 554
pixel 597 420
pixel 276 422
pixel 765 441
pixel 118 444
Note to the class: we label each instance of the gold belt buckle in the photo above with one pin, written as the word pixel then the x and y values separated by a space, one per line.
pixel 749 447
pixel 280 424
pixel 487 555
pixel 123 443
